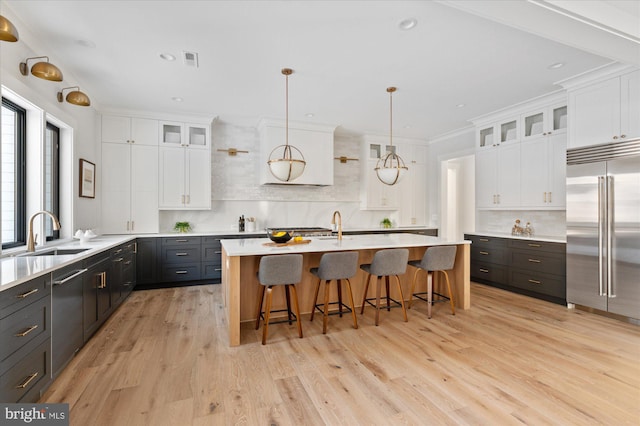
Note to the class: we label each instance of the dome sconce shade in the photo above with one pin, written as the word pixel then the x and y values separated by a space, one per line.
pixel 390 168
pixel 75 97
pixel 8 31
pixel 286 162
pixel 44 70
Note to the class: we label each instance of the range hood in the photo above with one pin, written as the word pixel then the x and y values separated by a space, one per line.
pixel 315 141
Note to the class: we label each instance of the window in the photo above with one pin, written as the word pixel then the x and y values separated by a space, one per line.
pixel 13 146
pixel 52 178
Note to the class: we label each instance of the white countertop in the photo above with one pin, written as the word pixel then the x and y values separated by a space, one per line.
pixel 547 238
pixel 261 232
pixel 15 270
pixel 256 247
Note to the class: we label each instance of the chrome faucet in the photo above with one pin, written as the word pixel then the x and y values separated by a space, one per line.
pixel 333 222
pixel 31 245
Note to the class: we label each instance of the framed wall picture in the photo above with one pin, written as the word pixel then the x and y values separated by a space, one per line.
pixel 87 179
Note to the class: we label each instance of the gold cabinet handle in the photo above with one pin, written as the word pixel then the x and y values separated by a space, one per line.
pixel 535 261
pixel 615 137
pixel 181 241
pixel 534 245
pixel 27 294
pixel 217 252
pixel 486 240
pixel 484 253
pixel 486 271
pixel 182 254
pixel 103 279
pixel 218 269
pixel 182 272
pixel 535 282
pixel 27 331
pixel 27 381
pixel 623 136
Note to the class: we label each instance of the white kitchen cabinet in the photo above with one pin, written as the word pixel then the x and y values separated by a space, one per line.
pixel 498 177
pixel 375 195
pixel 495 134
pixel 193 135
pixel 543 171
pixel 544 121
pixel 606 111
pixel 129 130
pixel 129 188
pixel 412 204
pixel 185 178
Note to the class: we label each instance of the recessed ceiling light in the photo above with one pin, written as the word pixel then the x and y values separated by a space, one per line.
pixel 177 99
pixel 309 114
pixel 86 43
pixel 461 105
pixel 407 24
pixel 167 56
pixel 556 65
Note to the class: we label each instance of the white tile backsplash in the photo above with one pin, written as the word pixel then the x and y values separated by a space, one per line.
pixel 550 223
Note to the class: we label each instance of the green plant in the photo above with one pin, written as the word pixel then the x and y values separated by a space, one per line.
pixel 182 227
pixel 386 223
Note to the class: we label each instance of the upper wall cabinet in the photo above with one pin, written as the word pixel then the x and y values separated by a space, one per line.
pixel 195 136
pixel 495 134
pixel 313 140
pixel 605 111
pixel 132 130
pixel 544 121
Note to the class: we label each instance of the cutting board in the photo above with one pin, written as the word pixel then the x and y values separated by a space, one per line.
pixel 288 243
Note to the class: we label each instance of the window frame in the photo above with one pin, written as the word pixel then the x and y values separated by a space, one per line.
pixel 55 190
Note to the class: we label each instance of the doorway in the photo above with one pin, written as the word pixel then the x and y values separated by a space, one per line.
pixel 457 199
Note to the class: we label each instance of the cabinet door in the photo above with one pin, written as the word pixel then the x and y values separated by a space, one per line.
pixel 509 175
pixel 534 172
pixel 171 177
pixel 171 134
pixel 116 188
pixel 144 189
pixel 198 184
pixel 595 114
pixel 557 170
pixel 197 136
pixel 147 260
pixel 116 129
pixel 630 105
pixel 486 178
pixel 144 131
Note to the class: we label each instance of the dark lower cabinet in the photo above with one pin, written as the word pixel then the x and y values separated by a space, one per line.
pixel 146 256
pixel 531 267
pixel 25 340
pixel 95 293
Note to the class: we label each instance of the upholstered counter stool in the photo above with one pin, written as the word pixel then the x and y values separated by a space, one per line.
pixel 336 267
pixel 385 263
pixel 435 259
pixel 278 270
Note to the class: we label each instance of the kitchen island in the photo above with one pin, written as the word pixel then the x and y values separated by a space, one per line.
pixel 241 258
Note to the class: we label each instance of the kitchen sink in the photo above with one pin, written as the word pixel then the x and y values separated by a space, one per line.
pixel 54 252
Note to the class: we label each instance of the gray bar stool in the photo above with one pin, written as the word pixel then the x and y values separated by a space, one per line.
pixel 278 270
pixel 435 259
pixel 335 266
pixel 385 263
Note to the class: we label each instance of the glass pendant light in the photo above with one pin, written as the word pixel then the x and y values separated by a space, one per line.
pixel 390 168
pixel 286 162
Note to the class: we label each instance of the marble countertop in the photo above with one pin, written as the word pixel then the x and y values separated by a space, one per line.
pixel 261 232
pixel 547 238
pixel 256 247
pixel 17 269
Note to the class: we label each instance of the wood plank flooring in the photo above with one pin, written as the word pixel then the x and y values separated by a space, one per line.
pixel 163 359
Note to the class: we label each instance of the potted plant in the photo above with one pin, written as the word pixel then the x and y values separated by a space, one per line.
pixel 386 223
pixel 182 227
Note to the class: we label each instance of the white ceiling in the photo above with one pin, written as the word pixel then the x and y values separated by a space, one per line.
pixel 344 55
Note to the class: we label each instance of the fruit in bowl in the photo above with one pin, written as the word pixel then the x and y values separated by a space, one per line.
pixel 278 235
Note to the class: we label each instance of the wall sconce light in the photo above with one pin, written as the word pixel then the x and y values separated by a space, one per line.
pixel 44 70
pixel 75 97
pixel 344 159
pixel 8 31
pixel 232 151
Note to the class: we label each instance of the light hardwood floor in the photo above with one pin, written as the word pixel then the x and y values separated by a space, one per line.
pixel 163 359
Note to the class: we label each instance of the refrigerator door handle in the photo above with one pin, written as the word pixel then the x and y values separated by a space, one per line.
pixel 610 219
pixel 601 234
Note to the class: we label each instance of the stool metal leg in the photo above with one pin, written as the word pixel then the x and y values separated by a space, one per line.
pixel 404 311
pixel 353 307
pixel 288 297
pixel 386 279
pixel 259 309
pixel 265 329
pixel 296 308
pixel 339 284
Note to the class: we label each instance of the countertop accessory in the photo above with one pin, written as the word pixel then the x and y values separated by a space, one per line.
pixel 386 223
pixel 390 168
pixel 288 243
pixel 278 235
pixel 290 164
pixel 75 97
pixel 8 31
pixel 182 227
pixel 44 70
pixel 31 244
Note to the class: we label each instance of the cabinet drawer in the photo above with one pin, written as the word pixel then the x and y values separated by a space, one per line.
pixel 489 254
pixel 489 272
pixel 212 254
pixel 539 262
pixel 21 382
pixel 186 254
pixel 186 272
pixel 213 241
pixel 481 240
pixel 211 271
pixel 180 241
pixel 538 246
pixel 23 326
pixel 539 283
pixel 22 295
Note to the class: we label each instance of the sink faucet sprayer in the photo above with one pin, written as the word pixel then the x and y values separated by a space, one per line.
pixel 333 222
pixel 31 245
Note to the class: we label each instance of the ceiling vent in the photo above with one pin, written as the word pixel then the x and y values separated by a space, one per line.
pixel 190 59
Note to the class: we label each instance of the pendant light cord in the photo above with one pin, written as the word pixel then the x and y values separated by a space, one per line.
pixel 391 118
pixel 286 103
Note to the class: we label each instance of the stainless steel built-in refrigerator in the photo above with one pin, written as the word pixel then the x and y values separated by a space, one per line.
pixel 603 227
